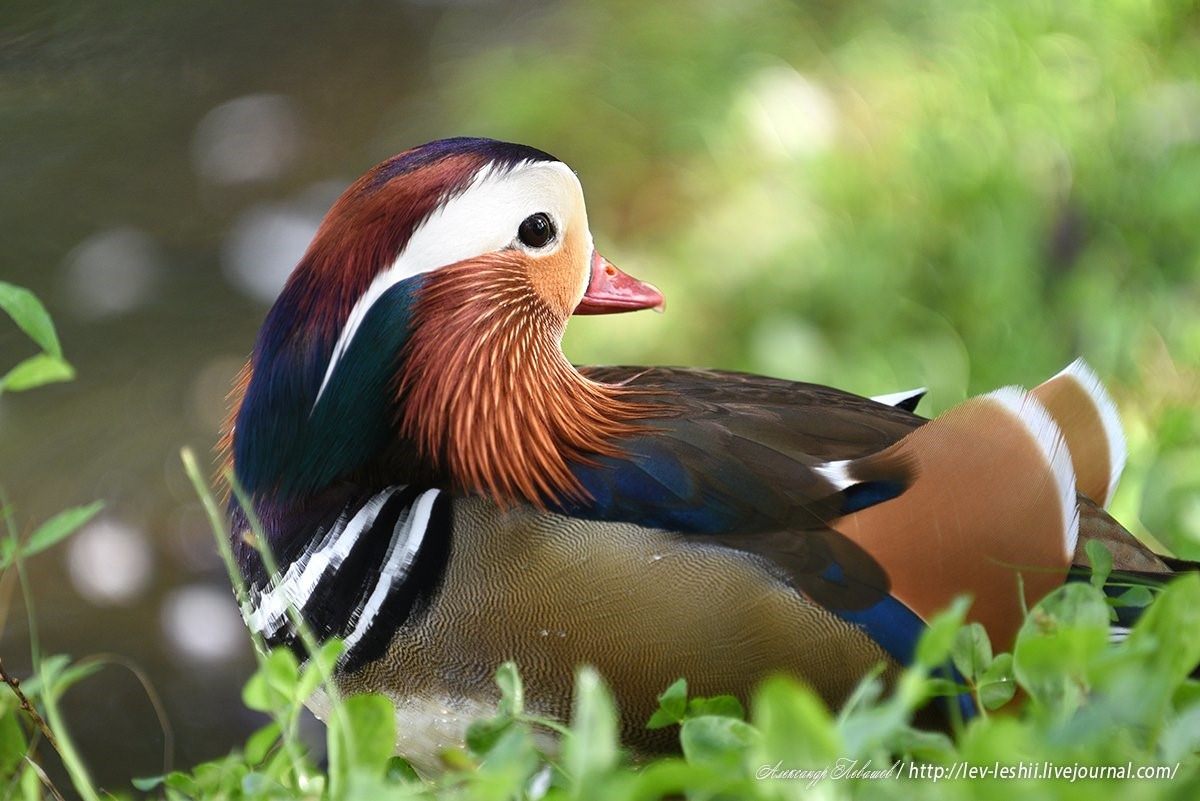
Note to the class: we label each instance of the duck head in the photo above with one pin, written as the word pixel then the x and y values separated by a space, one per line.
pixel 419 336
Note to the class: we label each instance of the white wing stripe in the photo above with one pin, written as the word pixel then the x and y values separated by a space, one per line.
pixel 896 398
pixel 302 576
pixel 406 542
pixel 1109 419
pixel 1049 440
pixel 836 473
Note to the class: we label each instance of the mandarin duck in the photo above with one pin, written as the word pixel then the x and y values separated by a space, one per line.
pixel 442 489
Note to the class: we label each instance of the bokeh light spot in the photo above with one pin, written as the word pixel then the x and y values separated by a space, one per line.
pixel 110 562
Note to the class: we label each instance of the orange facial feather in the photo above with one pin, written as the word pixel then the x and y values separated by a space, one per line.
pixel 224 448
pixel 488 395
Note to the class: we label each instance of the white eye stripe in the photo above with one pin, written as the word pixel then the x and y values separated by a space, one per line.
pixel 483 218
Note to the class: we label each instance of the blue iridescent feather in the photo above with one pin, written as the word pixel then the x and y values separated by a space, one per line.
pixel 291 443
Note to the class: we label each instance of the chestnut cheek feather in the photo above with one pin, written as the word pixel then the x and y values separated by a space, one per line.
pixel 224 449
pixel 486 393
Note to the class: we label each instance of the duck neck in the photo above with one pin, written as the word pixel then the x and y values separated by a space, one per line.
pixel 487 394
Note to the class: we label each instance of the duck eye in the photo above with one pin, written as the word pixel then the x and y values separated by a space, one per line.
pixel 536 230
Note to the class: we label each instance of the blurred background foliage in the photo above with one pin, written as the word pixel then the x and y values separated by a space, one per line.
pixel 873 194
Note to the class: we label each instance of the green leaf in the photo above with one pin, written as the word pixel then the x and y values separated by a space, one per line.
pixel 400 770
pixel 59 675
pixel 371 720
pixel 455 759
pixel 720 705
pixel 674 778
pixel 995 694
pixel 935 644
pixel 672 704
pixel 1101 561
pixel 797 730
pixel 868 691
pixel 972 651
pixel 1137 597
pixel 30 316
pixel 282 672
pixel 36 371
pixel 329 653
pixel 256 785
pixel 1058 643
pixel 868 728
pixel 512 691
pixel 482 734
pixel 360 740
pixel 53 531
pixel 661 719
pixel 182 782
pixel 591 748
pixel 1160 630
pixel 147 783
pixel 260 743
pixel 256 694
pixel 31 785
pixel 507 769
pixel 996 686
pixel 318 668
pixel 1181 737
pixel 273 688
pixel 716 740
pixel 928 746
pixel 937 687
pixel 1186 694
pixel 12 743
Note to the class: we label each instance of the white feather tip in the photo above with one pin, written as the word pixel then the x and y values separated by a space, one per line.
pixel 1049 439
